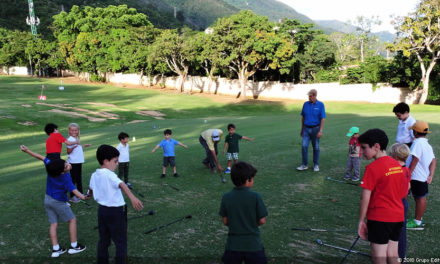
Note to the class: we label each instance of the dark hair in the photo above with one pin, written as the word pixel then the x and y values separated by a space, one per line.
pixel 373 136
pixel 55 167
pixel 123 135
pixel 167 132
pixel 106 152
pixel 242 172
pixel 401 108
pixel 420 134
pixel 231 126
pixel 50 128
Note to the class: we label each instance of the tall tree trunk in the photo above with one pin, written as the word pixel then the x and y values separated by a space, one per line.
pixel 362 50
pixel 183 79
pixel 243 81
pixel 426 72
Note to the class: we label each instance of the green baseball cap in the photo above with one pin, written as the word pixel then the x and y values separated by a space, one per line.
pixel 352 131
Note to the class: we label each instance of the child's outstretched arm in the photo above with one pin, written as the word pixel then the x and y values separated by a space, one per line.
pixel 70 143
pixel 183 145
pixel 248 139
pixel 135 202
pixel 80 195
pixel 431 170
pixel 33 154
pixel 155 148
pixel 224 148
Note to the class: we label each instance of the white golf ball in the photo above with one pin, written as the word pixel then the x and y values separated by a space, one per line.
pixel 205 121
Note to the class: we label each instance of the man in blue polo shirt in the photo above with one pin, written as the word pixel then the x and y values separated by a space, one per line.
pixel 312 124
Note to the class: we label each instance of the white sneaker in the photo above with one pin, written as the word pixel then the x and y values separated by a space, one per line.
pixel 302 167
pixel 316 168
pixel 57 253
pixel 77 249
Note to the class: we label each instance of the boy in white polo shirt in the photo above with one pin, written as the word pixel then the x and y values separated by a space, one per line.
pixel 421 163
pixel 105 186
pixel 404 135
pixel 124 156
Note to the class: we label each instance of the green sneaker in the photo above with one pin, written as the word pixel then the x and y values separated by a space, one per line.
pixel 412 225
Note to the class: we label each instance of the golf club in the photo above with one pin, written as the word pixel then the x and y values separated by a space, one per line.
pixel 162 226
pixel 86 203
pixel 346 182
pixel 317 230
pixel 151 212
pixel 319 241
pixel 131 188
pixel 352 245
pixel 175 188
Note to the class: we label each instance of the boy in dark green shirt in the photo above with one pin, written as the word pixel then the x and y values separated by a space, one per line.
pixel 231 142
pixel 243 210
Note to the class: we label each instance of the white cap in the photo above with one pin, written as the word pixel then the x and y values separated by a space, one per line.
pixel 215 136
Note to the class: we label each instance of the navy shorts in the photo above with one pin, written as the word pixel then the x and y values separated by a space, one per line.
pixel 169 160
pixel 382 232
pixel 419 189
pixel 249 257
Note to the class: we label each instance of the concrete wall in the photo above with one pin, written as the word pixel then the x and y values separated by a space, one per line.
pixel 326 91
pixel 16 70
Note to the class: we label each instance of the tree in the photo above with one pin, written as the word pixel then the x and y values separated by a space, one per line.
pixel 419 34
pixel 248 43
pixel 346 45
pixel 363 28
pixel 176 50
pixel 12 47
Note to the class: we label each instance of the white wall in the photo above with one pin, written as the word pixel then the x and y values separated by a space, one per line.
pixel 326 91
pixel 16 70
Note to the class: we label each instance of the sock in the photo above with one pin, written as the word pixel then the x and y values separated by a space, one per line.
pixel 229 168
pixel 418 222
pixel 74 244
pixel 56 247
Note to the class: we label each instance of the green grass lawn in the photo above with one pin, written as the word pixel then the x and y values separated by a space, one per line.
pixel 293 199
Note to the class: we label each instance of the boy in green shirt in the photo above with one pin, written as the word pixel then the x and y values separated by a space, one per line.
pixel 243 210
pixel 231 142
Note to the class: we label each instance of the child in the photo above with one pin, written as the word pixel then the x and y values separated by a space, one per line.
pixel 231 142
pixel 106 187
pixel 381 198
pixel 124 156
pixel 404 134
pixel 168 152
pixel 422 165
pixel 54 141
pixel 58 183
pixel 243 210
pixel 75 156
pixel 400 152
pixel 354 155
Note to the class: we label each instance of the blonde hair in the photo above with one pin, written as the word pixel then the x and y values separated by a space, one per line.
pixel 399 151
pixel 74 125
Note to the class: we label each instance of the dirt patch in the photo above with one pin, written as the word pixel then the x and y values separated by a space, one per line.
pixel 75 114
pixel 136 121
pixel 27 123
pixel 152 113
pixel 26 105
pixel 7 117
pixel 101 114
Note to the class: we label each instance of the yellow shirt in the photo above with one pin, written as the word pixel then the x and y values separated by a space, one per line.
pixel 207 136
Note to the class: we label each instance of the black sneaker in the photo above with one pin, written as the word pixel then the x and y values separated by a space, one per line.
pixel 162 176
pixel 77 249
pixel 57 253
pixel 176 175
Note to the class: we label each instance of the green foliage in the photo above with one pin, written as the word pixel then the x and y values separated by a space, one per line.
pixel 373 70
pixel 331 75
pixel 12 47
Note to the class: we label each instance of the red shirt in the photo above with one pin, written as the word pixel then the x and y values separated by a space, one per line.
pixel 407 181
pixel 54 143
pixel 384 178
pixel 354 148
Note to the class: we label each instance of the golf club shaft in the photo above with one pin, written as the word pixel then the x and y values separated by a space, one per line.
pixel 350 250
pixel 86 203
pixel 173 187
pixel 345 249
pixel 162 226
pixel 335 180
pixel 317 230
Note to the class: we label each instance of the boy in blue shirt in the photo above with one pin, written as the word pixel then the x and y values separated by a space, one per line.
pixel 55 202
pixel 168 152
pixel 243 210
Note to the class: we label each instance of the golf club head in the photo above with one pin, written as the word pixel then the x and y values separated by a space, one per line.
pixel 319 241
pixel 129 186
pixel 188 216
pixel 151 212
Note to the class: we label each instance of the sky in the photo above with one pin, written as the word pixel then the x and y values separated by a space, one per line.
pixel 346 10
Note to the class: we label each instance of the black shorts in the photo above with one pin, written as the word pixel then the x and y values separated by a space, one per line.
pixel 419 189
pixel 169 160
pixel 382 232
pixel 248 257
